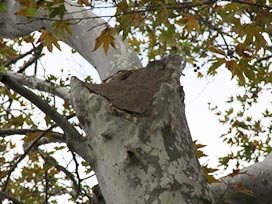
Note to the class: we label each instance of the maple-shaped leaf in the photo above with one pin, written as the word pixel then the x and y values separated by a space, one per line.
pixel 62 27
pixel 207 173
pixel 49 40
pixel 215 65
pixel 243 51
pixel 106 38
pixel 199 153
pixel 236 70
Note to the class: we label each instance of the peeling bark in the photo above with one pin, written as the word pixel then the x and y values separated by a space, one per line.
pixel 141 157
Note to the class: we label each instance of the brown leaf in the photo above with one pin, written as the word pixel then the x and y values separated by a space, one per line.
pixel 49 40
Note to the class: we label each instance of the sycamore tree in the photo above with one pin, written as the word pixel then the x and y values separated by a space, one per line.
pixel 131 130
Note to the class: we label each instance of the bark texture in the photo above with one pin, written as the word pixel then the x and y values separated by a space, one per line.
pixel 147 155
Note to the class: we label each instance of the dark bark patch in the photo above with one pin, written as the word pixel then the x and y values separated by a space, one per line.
pixel 170 142
pixel 133 90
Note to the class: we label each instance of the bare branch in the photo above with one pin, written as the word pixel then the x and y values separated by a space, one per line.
pixel 23 156
pixel 78 189
pixel 21 56
pixel 51 160
pixel 38 84
pixel 37 55
pixel 54 136
pixel 46 189
pixel 9 132
pixel 69 130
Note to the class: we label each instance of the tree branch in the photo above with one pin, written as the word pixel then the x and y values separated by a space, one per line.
pixel 22 157
pixel 21 56
pixel 53 161
pixel 69 130
pixel 251 185
pixel 14 200
pixel 54 136
pixel 38 84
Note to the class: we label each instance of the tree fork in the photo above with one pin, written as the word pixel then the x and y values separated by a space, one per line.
pixel 144 152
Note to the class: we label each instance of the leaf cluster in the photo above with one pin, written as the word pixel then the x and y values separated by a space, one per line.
pixel 39 172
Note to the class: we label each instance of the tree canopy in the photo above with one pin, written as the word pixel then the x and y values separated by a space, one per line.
pixel 213 35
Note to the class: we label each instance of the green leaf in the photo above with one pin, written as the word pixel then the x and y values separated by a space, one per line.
pixel 3 6
pixel 31 12
pixel 215 65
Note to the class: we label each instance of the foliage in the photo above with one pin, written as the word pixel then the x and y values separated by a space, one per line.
pixel 213 34
pixel 33 174
pixel 249 125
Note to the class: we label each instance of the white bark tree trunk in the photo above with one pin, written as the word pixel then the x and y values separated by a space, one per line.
pixel 141 143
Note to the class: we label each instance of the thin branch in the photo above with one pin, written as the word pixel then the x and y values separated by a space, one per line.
pixel 23 156
pixel 14 200
pixel 9 132
pixel 69 130
pixel 49 159
pixel 46 187
pixel 54 136
pixel 77 172
pixel 21 56
pixel 149 8
pixel 39 84
pixel 33 59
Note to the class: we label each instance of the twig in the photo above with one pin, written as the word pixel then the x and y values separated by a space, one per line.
pixel 39 84
pixel 21 56
pixel 77 172
pixel 69 130
pixel 49 159
pixel 23 156
pixel 14 200
pixel 33 59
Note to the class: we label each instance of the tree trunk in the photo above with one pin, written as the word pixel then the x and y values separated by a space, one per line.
pixel 138 134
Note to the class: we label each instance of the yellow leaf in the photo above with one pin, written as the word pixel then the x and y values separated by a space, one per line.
pixel 106 39
pixel 31 136
pixel 207 171
pixel 28 39
pixel 49 40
